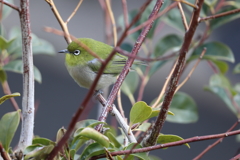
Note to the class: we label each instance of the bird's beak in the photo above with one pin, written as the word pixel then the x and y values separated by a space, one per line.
pixel 63 51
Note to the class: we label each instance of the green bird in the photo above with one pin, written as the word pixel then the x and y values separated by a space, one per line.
pixel 83 67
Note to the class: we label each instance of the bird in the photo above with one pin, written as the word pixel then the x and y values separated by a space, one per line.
pixel 83 67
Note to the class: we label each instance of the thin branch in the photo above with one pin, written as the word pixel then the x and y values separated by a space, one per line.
pixel 183 16
pixel 6 90
pixel 171 144
pixel 110 12
pixel 3 153
pixel 152 138
pixel 125 12
pixel 173 5
pixel 215 143
pixel 60 20
pixel 28 78
pixel 192 70
pixel 74 11
pixel 16 8
pixel 219 15
pixel 187 3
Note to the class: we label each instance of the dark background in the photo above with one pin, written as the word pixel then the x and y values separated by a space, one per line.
pixel 59 96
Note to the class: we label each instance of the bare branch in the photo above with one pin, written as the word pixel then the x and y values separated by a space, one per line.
pixel 183 16
pixel 16 8
pixel 74 11
pixel 219 15
pixel 125 12
pixel 3 153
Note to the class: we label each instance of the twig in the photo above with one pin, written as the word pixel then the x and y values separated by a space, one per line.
pixel 187 3
pixel 74 11
pixel 125 70
pixel 119 100
pixel 152 138
pixel 173 5
pixel 28 78
pixel 109 9
pixel 6 90
pixel 192 70
pixel 16 8
pixel 164 87
pixel 171 144
pixel 185 24
pixel 219 15
pixel 60 20
pixel 3 153
pixel 215 143
pixel 125 12
pixel 125 53
pixel 119 118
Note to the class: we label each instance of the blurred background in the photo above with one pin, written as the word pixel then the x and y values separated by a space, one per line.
pixel 59 96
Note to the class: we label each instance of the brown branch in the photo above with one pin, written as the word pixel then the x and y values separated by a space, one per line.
pixel 16 8
pixel 171 144
pixel 185 24
pixel 219 15
pixel 125 70
pixel 173 5
pixel 215 143
pixel 3 153
pixel 60 20
pixel 125 12
pixel 74 11
pixel 152 138
pixel 6 90
pixel 74 120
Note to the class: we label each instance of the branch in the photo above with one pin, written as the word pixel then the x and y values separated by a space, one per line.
pixel 3 153
pixel 74 11
pixel 183 16
pixel 152 138
pixel 215 143
pixel 171 144
pixel 219 15
pixel 125 12
pixel 16 8
pixel 28 78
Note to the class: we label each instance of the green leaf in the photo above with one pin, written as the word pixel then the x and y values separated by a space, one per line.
pixel 8 127
pixel 3 76
pixel 184 109
pixel 95 135
pixel 140 111
pixel 93 150
pixel 60 134
pixel 222 81
pixel 170 42
pixel 222 66
pixel 215 50
pixel 4 98
pixel 143 155
pixel 6 10
pixel 174 19
pixel 17 66
pixel 113 139
pixel 237 87
pixel 143 127
pixel 42 141
pixel 130 84
pixel 167 138
pixel 155 112
pixel 126 46
pixel 236 69
pixel 37 152
pixel 41 46
pixel 222 94
pixel 217 22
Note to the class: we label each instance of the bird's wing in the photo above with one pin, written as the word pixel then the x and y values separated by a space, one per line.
pixel 115 66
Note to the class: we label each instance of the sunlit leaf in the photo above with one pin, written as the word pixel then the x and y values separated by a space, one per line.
pixel 155 112
pixel 167 138
pixel 215 50
pixel 42 141
pixel 140 111
pixel 4 98
pixel 8 126
pixel 184 109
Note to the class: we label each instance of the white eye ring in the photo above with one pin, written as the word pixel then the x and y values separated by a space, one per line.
pixel 76 52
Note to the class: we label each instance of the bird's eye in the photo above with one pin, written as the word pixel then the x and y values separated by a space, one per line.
pixel 76 52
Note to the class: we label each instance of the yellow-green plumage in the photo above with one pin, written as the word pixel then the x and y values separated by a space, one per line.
pixel 83 67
